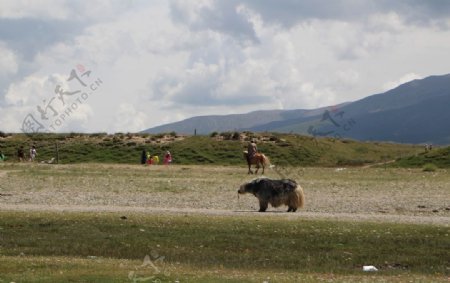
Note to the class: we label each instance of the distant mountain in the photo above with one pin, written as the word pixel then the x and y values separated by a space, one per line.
pixel 234 122
pixel 415 112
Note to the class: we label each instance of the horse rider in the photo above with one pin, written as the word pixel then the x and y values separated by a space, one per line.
pixel 251 150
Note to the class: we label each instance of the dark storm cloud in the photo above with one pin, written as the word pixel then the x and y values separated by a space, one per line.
pixel 291 12
pixel 205 91
pixel 200 95
pixel 222 17
pixel 26 37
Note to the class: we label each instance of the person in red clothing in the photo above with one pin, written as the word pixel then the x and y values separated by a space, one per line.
pixel 167 158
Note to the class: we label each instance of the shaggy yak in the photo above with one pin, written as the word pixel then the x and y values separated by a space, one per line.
pixel 275 192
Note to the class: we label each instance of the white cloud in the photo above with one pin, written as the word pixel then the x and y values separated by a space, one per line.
pixel 8 62
pixel 11 118
pixel 347 77
pixel 390 21
pixel 33 90
pixel 162 61
pixel 404 79
pixel 128 119
pixel 36 97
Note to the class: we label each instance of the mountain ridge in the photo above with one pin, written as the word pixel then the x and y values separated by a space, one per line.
pixel 414 112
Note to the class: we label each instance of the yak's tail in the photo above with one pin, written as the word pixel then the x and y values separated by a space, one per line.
pixel 300 196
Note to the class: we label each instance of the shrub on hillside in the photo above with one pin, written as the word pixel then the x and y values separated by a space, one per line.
pixel 236 136
pixel 429 167
pixel 274 139
pixel 100 135
pixel 227 135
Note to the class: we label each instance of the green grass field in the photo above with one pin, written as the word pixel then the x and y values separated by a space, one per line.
pixel 132 223
pixel 100 217
pixel 439 157
pixel 225 149
pixel 103 247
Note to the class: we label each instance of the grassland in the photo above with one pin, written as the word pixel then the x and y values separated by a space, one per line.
pixel 439 157
pixel 103 247
pixel 131 223
pixel 221 149
pixel 377 191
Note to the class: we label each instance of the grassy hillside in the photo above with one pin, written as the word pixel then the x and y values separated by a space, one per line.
pixel 224 148
pixel 440 157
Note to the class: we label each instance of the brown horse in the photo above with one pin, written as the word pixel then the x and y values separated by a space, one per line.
pixel 259 159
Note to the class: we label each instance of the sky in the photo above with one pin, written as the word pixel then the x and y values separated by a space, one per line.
pixel 125 66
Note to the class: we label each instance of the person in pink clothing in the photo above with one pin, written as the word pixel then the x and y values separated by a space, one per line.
pixel 167 158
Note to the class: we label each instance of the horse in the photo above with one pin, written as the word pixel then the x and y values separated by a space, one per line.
pixel 259 159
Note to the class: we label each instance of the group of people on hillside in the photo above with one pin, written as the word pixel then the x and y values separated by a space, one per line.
pixel 32 154
pixel 21 154
pixel 148 159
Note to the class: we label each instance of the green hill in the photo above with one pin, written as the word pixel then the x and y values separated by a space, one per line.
pixel 220 149
pixel 440 157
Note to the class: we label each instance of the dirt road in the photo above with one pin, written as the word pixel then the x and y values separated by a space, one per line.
pixel 364 194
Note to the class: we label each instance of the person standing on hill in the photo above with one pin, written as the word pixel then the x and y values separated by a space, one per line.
pixel 2 156
pixel 155 159
pixel 167 158
pixel 33 153
pixel 149 158
pixel 143 157
pixel 21 154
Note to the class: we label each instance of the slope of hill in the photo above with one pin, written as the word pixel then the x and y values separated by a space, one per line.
pixel 439 157
pixel 284 150
pixel 222 123
pixel 415 112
